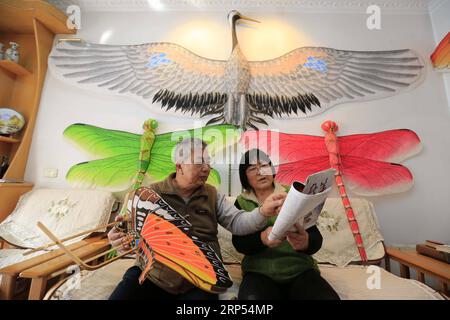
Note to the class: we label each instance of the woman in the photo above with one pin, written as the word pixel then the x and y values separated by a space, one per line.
pixel 278 269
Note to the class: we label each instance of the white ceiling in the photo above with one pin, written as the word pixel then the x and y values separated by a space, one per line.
pixel 337 6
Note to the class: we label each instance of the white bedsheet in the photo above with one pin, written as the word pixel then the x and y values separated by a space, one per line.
pixel 349 283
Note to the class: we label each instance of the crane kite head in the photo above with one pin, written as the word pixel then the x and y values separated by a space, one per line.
pixel 235 15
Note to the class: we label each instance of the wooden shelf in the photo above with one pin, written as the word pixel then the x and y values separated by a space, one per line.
pixel 8 140
pixel 23 184
pixel 14 67
pixel 32 24
pixel 9 195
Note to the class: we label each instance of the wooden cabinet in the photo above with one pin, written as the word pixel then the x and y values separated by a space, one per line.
pixel 32 24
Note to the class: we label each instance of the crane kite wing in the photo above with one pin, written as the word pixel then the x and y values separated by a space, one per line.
pixel 310 80
pixel 174 76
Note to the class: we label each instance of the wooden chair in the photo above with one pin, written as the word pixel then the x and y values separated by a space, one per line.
pixel 43 268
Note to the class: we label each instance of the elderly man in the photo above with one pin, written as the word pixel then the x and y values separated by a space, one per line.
pixel 187 192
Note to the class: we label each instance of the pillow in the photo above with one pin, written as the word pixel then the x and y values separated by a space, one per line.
pixel 339 247
pixel 63 212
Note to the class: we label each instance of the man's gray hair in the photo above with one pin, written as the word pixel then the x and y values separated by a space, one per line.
pixel 184 149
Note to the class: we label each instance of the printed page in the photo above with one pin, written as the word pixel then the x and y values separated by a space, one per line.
pixel 303 207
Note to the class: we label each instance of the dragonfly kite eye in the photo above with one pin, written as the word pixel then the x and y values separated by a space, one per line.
pixel 330 126
pixel 150 124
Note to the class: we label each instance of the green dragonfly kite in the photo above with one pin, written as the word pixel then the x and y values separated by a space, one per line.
pixel 128 158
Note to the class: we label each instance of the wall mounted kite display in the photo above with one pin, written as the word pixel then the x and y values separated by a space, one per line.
pixel 128 157
pixel 364 161
pixel 441 55
pixel 301 83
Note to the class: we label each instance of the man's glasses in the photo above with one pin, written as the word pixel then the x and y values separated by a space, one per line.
pixel 203 163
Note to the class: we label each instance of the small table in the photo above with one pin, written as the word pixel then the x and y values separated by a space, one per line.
pixel 409 258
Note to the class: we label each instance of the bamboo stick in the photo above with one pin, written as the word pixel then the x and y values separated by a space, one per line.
pixel 43 247
pixel 73 256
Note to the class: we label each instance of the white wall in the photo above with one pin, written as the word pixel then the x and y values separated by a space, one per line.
pixel 408 218
pixel 440 20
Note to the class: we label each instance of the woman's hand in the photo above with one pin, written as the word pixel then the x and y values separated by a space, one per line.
pixel 266 241
pixel 299 240
pixel 272 205
pixel 118 239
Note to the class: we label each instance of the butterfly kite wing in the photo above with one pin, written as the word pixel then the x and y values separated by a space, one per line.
pixel 192 278
pixel 168 235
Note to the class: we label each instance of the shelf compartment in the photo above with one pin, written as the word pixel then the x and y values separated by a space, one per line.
pixel 9 140
pixel 14 67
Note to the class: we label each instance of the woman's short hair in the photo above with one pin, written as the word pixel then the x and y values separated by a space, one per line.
pixel 252 157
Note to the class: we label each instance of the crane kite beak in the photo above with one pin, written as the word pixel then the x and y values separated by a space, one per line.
pixel 247 18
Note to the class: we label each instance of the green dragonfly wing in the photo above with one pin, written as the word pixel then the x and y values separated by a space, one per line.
pixel 113 173
pixel 218 137
pixel 117 173
pixel 161 166
pixel 103 142
pixel 214 178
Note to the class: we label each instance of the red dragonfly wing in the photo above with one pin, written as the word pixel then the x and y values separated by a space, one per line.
pixel 168 236
pixel 301 169
pixel 366 158
pixel 390 146
pixel 283 146
pixel 371 178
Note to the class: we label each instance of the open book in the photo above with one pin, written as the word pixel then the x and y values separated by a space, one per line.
pixel 303 203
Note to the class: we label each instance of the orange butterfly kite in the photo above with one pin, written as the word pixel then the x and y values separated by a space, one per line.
pixel 164 236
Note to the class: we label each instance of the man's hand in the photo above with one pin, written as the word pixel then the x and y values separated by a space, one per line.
pixel 266 241
pixel 119 239
pixel 272 205
pixel 299 240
